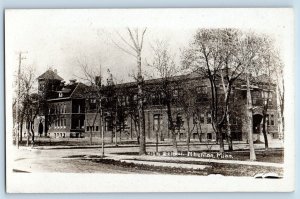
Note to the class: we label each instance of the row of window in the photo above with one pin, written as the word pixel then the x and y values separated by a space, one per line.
pixel 266 94
pixel 60 123
pixel 156 98
pixel 60 108
pixel 202 118
pixel 63 135
pixel 92 128
pixel 270 119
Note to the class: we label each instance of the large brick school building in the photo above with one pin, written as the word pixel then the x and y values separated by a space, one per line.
pixel 72 109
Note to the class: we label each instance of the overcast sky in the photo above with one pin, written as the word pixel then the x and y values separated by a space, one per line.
pixel 59 38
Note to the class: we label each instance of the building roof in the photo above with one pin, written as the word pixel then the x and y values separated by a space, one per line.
pixel 74 90
pixel 50 74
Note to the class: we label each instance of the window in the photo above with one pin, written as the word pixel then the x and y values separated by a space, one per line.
pixel 202 118
pixel 93 101
pixel 267 96
pixel 157 122
pixel 175 93
pixel 155 99
pixel 87 128
pixel 97 128
pixel 108 124
pixel 179 121
pixel 90 128
pixel 65 123
pixel 208 118
pixel 202 90
pixel 127 100
pixel 92 104
pixel 272 120
pixel 79 109
pixel 268 119
pixel 209 136
pixel 79 121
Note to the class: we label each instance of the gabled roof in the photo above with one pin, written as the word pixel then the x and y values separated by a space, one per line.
pixel 76 90
pixel 50 74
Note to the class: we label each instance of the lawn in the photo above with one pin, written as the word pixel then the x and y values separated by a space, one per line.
pixel 217 168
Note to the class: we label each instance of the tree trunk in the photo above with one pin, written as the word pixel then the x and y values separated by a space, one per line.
pixel 21 132
pixel 112 137
pixel 46 125
pixel 116 136
pixel 174 142
pixel 221 142
pixel 250 122
pixel 172 127
pixel 28 134
pixel 131 128
pixel 229 137
pixel 91 136
pixel 264 131
pixel 199 133
pixel 142 150
pixel 32 132
pixel 156 142
pixel 188 139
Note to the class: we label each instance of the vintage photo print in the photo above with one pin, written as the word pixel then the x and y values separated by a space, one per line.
pixel 149 100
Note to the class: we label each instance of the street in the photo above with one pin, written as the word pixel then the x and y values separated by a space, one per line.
pixel 78 160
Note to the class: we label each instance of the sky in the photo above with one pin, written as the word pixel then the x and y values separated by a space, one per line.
pixel 61 39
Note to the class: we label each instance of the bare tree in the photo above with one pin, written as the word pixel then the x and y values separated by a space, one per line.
pixel 205 57
pixel 93 76
pixel 189 106
pixel 28 102
pixel 269 65
pixel 19 122
pixel 280 92
pixel 163 62
pixel 221 55
pixel 134 47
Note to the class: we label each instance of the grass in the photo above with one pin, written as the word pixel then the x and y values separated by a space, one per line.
pixel 217 168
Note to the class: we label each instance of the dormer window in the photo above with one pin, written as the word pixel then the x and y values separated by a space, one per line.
pixel 60 94
pixel 93 101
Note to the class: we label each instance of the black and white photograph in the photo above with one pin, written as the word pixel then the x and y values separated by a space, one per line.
pixel 149 100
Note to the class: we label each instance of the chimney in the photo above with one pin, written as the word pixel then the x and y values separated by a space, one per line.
pixel 62 83
pixel 98 80
pixel 72 81
pixel 55 71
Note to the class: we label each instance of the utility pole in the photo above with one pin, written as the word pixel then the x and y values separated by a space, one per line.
pixel 18 99
pixel 101 129
pixel 116 126
pixel 250 121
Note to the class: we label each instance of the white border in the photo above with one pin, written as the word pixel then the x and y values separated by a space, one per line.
pixel 63 183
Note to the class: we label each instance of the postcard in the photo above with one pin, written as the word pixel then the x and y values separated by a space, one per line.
pixel 149 100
